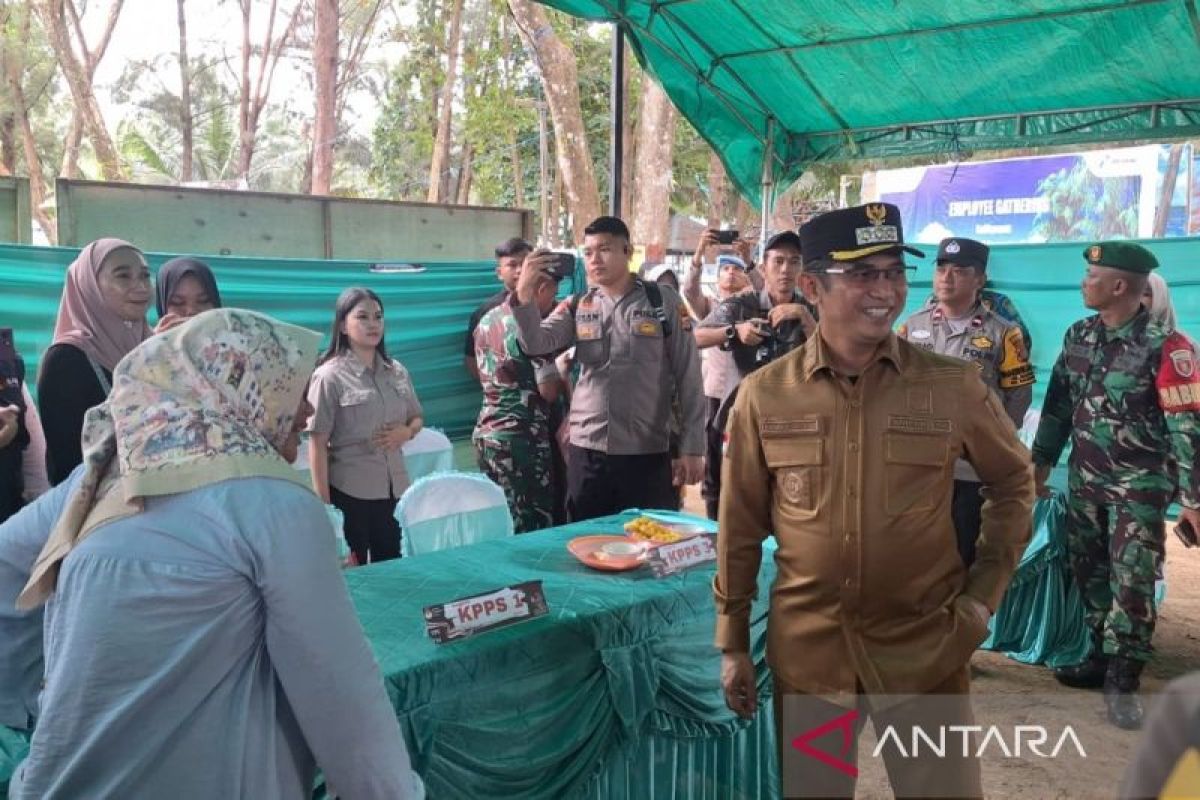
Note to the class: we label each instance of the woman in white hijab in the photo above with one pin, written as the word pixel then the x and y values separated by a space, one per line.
pixel 199 639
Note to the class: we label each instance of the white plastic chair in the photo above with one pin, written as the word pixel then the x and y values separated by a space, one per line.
pixel 451 509
pixel 428 452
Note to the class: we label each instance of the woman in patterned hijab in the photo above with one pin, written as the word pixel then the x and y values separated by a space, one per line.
pixel 200 639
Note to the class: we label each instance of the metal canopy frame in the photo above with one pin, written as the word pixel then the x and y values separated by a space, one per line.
pixel 660 35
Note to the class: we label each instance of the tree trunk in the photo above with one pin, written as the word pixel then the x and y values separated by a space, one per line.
pixel 185 98
pixel 718 191
pixel 13 77
pixel 78 76
pixel 245 132
pixel 560 81
pixel 630 150
pixel 440 163
pixel 325 64
pixel 465 175
pixel 71 146
pixel 652 185
pixel 1162 211
pixel 8 143
pixel 544 173
pixel 254 97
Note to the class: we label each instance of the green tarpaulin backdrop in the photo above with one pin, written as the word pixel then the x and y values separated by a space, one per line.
pixel 879 78
pixel 427 312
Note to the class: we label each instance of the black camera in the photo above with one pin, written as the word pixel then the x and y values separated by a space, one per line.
pixel 726 237
pixel 563 266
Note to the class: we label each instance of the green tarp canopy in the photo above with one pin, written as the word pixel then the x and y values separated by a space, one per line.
pixel 829 80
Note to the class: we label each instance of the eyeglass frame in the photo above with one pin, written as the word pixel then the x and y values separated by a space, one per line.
pixel 862 267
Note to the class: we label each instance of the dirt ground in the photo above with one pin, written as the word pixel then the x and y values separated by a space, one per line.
pixel 1014 693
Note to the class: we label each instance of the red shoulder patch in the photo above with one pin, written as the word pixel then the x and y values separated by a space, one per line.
pixel 1178 377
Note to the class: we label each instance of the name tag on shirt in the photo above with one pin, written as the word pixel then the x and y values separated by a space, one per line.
pixel 478 613
pixel 669 559
pixel 587 331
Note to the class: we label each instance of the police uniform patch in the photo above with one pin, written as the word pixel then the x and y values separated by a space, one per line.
pixel 587 331
pixel 982 343
pixel 952 248
pixel 919 335
pixel 796 486
pixel 646 328
pixel 1095 252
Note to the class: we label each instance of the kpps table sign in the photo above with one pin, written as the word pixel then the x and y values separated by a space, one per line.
pixel 667 559
pixel 468 616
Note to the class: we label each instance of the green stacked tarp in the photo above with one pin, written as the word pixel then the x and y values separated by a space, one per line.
pixel 1040 620
pixel 426 311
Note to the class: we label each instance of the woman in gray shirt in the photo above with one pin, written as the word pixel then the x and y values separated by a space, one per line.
pixel 365 410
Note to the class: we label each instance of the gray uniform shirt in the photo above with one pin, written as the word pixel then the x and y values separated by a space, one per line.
pixel 629 371
pixel 993 344
pixel 351 402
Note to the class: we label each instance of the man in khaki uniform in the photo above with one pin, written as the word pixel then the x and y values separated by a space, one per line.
pixel 633 341
pixel 957 323
pixel 845 450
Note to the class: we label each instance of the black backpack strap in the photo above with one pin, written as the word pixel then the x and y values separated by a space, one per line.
pixel 654 295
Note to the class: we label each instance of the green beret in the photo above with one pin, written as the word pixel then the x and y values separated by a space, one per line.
pixel 1125 256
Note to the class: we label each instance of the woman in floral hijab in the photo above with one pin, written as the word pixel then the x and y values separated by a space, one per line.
pixel 200 641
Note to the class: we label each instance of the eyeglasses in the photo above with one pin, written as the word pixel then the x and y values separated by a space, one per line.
pixel 864 275
pixel 957 270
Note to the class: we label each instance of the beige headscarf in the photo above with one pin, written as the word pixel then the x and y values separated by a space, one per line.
pixel 210 400
pixel 83 318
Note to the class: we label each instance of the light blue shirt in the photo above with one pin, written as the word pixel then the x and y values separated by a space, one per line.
pixel 204 648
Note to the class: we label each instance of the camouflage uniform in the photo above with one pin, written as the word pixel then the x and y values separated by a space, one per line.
pixel 512 434
pixel 1129 399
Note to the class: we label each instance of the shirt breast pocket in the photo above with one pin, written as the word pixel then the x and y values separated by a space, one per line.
pixel 591 352
pixel 797 466
pixel 916 467
pixel 647 342
pixel 354 397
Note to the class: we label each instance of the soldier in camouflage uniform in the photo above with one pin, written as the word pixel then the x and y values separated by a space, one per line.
pixel 1126 392
pixel 957 323
pixel 513 435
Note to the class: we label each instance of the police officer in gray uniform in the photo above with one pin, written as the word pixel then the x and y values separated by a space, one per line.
pixel 957 323
pixel 633 341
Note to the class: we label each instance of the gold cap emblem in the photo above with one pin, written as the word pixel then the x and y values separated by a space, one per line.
pixel 876 213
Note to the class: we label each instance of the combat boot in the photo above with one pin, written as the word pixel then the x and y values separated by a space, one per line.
pixel 1089 673
pixel 1120 693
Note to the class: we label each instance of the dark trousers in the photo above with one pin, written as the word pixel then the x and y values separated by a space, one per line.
pixel 714 451
pixel 947 704
pixel 370 526
pixel 599 484
pixel 965 510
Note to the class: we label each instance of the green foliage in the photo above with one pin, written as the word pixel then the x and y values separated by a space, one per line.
pixel 1084 207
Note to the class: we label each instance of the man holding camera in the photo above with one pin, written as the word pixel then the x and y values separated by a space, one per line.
pixel 634 345
pixel 759 327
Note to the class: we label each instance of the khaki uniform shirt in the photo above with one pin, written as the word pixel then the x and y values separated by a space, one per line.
pixel 629 372
pixel 351 402
pixel 992 344
pixel 854 481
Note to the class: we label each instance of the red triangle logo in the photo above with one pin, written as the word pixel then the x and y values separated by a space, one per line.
pixel 846 724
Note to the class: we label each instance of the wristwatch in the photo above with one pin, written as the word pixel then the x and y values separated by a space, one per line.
pixel 730 337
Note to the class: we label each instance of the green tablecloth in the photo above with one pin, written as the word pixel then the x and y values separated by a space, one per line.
pixel 614 694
